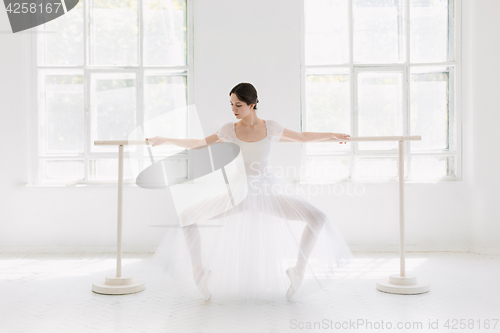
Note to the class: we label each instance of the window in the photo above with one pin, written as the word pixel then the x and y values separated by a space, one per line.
pixel 381 68
pixel 103 69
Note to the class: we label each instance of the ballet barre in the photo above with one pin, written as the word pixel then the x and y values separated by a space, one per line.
pixel 402 283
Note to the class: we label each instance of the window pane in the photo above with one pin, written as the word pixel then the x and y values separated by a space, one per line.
pixel 107 169
pixel 326 32
pixel 113 32
pixel 165 32
pixel 376 168
pixel 61 40
pixel 66 169
pixel 429 110
pixel 327 169
pixel 164 93
pixel 379 108
pixel 428 30
pixel 327 97
pixel 378 31
pixel 62 114
pixel 113 108
pixel 430 167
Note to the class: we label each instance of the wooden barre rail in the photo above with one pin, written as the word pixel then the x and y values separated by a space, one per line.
pixel 354 138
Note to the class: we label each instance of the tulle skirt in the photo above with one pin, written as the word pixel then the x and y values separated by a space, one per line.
pixel 249 247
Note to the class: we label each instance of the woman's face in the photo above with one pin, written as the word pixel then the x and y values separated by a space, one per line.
pixel 240 109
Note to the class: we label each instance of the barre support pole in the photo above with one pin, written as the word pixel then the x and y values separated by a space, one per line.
pixel 402 283
pixel 118 285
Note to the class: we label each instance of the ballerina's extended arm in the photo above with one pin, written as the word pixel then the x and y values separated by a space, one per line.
pixel 185 143
pixel 289 136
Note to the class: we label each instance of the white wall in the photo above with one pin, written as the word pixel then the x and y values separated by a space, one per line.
pixel 483 87
pixel 258 41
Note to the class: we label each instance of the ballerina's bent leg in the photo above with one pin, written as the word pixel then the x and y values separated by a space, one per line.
pixel 297 210
pixel 193 242
pixel 200 274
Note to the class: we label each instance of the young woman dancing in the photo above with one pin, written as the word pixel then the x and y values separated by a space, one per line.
pixel 269 242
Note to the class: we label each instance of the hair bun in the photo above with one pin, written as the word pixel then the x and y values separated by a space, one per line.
pixel 246 93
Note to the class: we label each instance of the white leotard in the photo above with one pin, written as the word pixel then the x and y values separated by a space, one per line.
pixel 255 154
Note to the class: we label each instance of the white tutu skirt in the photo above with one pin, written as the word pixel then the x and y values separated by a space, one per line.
pixel 249 247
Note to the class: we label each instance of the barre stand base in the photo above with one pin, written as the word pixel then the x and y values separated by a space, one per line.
pixel 402 285
pixel 113 285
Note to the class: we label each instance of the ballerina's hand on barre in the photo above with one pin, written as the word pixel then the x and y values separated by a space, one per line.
pixel 341 137
pixel 157 140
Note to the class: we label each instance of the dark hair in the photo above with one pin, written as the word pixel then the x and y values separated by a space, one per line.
pixel 246 92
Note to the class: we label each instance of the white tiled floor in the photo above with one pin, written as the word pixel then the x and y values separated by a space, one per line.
pixel 52 293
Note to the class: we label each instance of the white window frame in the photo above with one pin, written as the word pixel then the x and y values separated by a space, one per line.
pixel 455 107
pixel 34 103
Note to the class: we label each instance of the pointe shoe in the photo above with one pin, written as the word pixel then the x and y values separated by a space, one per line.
pixel 202 283
pixel 295 281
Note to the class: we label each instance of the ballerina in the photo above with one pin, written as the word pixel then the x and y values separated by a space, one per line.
pixel 247 255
